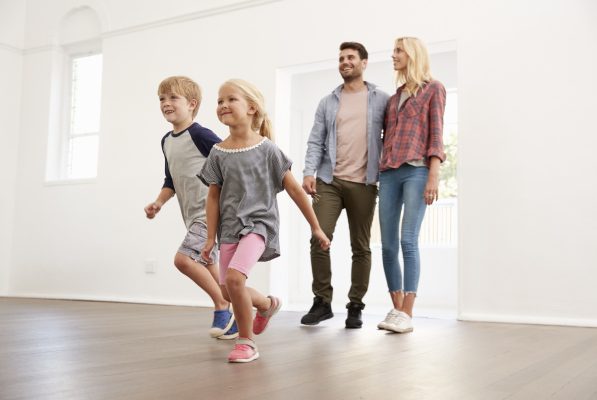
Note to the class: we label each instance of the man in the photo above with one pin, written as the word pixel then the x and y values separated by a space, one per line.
pixel 343 151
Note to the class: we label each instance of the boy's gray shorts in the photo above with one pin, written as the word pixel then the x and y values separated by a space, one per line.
pixel 194 242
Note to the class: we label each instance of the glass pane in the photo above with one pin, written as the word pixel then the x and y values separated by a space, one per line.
pixel 86 94
pixel 451 112
pixel 448 187
pixel 83 157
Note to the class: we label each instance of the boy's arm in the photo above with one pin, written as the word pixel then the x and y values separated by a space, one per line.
pixel 167 191
pixel 168 181
pixel 297 195
pixel 154 207
pixel 212 210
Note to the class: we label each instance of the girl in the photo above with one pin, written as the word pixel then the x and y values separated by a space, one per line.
pixel 409 173
pixel 244 174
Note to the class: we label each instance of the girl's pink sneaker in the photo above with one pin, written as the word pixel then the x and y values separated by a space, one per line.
pixel 261 319
pixel 244 351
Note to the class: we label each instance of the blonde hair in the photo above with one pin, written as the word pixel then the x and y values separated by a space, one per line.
pixel 182 86
pixel 417 71
pixel 261 122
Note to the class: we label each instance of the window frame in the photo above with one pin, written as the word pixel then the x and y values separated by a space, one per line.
pixel 64 159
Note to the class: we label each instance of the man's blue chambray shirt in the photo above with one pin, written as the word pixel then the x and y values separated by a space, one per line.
pixel 321 146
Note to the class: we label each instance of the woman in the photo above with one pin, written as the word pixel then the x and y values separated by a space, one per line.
pixel 409 173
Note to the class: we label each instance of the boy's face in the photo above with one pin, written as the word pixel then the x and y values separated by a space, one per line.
pixel 177 109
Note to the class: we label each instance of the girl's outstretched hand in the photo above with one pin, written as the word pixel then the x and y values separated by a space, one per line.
pixel 324 242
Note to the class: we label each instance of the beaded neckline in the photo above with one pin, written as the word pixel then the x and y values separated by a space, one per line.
pixel 242 149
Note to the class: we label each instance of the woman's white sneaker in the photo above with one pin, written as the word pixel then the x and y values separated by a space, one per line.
pixel 390 319
pixel 401 324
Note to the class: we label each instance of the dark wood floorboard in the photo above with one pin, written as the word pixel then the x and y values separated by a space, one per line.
pixel 56 350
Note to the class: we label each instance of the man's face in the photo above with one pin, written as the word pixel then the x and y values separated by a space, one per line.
pixel 351 65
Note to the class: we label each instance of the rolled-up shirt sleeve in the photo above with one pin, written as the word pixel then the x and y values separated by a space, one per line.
pixel 437 106
pixel 316 141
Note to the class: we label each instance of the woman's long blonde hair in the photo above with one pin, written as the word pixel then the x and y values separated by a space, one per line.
pixel 417 71
pixel 261 122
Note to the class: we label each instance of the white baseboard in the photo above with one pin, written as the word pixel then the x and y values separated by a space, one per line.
pixel 518 319
pixel 113 299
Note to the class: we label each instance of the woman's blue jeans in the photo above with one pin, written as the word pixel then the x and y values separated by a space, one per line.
pixel 401 193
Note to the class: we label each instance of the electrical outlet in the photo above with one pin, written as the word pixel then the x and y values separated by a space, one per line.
pixel 150 266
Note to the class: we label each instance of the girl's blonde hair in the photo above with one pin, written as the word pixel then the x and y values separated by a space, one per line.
pixel 417 71
pixel 261 122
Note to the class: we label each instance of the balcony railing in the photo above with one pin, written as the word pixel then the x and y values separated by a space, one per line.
pixel 439 228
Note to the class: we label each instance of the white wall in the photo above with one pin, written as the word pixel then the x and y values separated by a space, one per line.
pixel 12 20
pixel 526 94
pixel 527 219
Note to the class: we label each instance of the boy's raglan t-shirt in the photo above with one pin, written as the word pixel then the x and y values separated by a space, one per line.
pixel 185 154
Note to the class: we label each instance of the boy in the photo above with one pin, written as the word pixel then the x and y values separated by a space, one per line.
pixel 185 150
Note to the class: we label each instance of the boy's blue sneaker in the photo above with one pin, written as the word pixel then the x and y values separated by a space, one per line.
pixel 223 321
pixel 232 333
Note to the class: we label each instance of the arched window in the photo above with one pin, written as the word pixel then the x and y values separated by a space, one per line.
pixel 74 150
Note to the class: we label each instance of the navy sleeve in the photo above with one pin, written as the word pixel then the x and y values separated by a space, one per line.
pixel 168 183
pixel 203 138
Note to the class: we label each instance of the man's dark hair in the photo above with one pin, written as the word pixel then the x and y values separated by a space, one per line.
pixel 356 46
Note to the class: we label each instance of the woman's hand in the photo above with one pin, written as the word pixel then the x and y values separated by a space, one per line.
pixel 431 189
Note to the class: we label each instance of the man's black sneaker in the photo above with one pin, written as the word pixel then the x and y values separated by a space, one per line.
pixel 353 320
pixel 319 312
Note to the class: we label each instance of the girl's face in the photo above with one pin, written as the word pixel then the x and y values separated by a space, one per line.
pixel 399 57
pixel 233 108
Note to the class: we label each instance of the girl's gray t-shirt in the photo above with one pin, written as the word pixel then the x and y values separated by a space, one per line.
pixel 249 180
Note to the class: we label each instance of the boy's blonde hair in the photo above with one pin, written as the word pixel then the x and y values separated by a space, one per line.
pixel 183 86
pixel 417 71
pixel 261 122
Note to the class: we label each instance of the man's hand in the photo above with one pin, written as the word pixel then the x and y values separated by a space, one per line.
pixel 309 185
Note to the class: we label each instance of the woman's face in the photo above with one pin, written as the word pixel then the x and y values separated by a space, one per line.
pixel 399 57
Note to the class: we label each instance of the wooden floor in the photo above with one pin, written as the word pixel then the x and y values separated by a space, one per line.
pixel 51 349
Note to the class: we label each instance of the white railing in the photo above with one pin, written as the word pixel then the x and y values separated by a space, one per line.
pixel 440 225
pixel 439 228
